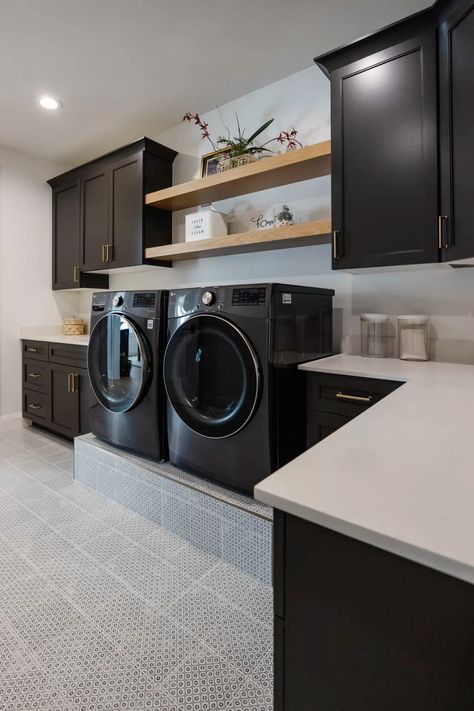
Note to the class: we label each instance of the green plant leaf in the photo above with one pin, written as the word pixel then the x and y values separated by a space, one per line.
pixel 260 130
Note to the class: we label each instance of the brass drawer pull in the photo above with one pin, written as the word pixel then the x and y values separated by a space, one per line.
pixel 34 406
pixel 34 375
pixel 76 275
pixel 354 398
pixel 30 349
pixel 103 253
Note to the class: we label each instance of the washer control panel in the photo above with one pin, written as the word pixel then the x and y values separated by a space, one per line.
pixel 253 296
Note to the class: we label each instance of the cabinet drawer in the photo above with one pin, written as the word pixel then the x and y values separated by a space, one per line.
pixel 36 406
pixel 321 424
pixel 65 354
pixel 36 375
pixel 345 395
pixel 38 350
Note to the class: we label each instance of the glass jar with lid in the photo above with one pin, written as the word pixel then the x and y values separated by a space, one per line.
pixel 414 337
pixel 373 335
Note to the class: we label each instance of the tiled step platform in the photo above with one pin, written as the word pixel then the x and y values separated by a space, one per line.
pixel 229 525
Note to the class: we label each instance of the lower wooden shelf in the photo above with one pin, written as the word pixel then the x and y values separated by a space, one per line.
pixel 301 235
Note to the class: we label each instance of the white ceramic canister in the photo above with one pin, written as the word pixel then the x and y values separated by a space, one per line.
pixel 414 337
pixel 373 335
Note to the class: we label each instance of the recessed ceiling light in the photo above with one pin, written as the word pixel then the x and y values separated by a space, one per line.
pixel 50 103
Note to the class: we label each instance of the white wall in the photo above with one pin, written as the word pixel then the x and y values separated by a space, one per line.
pixel 26 298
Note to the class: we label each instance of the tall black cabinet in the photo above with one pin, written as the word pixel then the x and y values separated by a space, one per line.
pixel 402 141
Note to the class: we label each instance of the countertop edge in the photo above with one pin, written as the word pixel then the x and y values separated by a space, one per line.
pixel 397 547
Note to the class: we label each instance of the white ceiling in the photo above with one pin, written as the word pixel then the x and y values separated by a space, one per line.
pixel 128 68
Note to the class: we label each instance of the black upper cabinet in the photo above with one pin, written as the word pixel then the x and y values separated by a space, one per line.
pixel 66 214
pixel 384 153
pixel 94 217
pixel 100 218
pixel 67 274
pixel 457 130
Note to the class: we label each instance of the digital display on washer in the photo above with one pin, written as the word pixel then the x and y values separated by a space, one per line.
pixel 144 300
pixel 254 296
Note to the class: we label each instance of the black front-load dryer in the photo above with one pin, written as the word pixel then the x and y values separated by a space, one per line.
pixel 128 331
pixel 236 409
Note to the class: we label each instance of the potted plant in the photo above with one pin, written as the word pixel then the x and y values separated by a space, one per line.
pixel 233 151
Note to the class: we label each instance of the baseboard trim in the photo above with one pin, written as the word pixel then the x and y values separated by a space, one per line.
pixel 11 422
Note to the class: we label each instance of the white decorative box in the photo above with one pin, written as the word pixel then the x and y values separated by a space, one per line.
pixel 205 224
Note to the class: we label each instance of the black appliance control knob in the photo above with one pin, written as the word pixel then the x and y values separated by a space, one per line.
pixel 208 298
pixel 117 300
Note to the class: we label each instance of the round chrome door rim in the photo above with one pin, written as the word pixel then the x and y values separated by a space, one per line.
pixel 141 345
pixel 255 363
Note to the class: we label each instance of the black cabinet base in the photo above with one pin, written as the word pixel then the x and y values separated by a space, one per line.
pixel 366 629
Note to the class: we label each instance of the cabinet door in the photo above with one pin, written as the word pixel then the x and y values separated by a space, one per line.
pixel 64 400
pixel 384 157
pixel 321 424
pixel 66 233
pixel 85 400
pixel 95 218
pixel 457 131
pixel 126 211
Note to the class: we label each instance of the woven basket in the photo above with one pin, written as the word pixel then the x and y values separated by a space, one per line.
pixel 229 163
pixel 73 327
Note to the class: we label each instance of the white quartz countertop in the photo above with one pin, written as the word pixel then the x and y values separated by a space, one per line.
pixel 59 338
pixel 401 475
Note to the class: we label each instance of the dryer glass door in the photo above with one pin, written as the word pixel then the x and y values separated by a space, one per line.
pixel 119 366
pixel 212 376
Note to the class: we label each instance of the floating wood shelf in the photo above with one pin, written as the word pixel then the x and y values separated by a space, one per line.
pixel 302 235
pixel 283 169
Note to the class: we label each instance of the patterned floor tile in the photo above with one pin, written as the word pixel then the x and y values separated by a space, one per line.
pixel 162 584
pixel 241 590
pixel 194 561
pixel 159 645
pixel 115 682
pixel 204 681
pixel 242 641
pixel 28 689
pixel 198 610
pixel 101 609
pixel 102 542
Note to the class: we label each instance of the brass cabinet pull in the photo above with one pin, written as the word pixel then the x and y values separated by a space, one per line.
pixel 34 406
pixel 335 235
pixel 69 383
pixel 110 252
pixel 75 383
pixel 76 276
pixel 441 243
pixel 30 349
pixel 354 398
pixel 103 253
pixel 34 375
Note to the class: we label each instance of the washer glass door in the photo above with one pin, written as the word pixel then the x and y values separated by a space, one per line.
pixel 212 376
pixel 118 362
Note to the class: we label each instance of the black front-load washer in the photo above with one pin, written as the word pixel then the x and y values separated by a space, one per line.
pixel 128 332
pixel 236 399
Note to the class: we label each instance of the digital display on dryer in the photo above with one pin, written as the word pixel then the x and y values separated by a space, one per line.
pixel 254 296
pixel 144 300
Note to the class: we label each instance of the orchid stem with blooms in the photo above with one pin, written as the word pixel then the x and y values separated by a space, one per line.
pixel 240 145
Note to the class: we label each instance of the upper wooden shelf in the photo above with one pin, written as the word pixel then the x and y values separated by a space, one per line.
pixel 283 169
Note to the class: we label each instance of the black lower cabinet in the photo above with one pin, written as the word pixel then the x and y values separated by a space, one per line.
pixel 334 400
pixel 359 628
pixel 56 388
